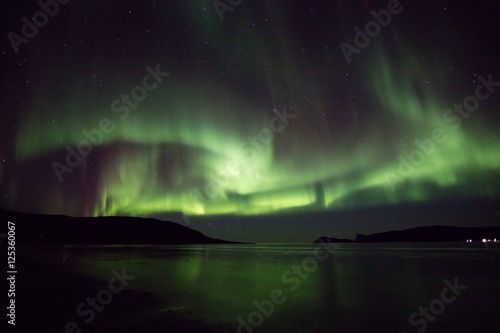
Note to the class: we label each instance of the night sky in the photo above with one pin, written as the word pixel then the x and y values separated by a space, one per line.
pixel 261 112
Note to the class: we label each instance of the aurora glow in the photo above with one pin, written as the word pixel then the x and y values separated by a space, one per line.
pixel 193 144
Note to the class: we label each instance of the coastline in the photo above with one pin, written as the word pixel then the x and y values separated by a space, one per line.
pixel 49 295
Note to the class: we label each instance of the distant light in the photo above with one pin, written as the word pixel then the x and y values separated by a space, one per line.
pixel 484 240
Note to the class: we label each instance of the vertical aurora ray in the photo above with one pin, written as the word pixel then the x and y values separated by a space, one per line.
pixel 169 150
pixel 193 144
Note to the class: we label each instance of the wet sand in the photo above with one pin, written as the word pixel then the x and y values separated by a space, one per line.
pixel 49 290
pixel 368 288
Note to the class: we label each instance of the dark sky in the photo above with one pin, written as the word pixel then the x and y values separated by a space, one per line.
pixel 269 120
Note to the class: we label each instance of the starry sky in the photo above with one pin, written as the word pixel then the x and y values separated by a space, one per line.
pixel 209 113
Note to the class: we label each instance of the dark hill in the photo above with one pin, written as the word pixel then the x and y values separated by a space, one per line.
pixel 37 228
pixel 433 234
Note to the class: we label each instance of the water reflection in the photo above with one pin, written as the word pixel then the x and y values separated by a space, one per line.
pixel 351 290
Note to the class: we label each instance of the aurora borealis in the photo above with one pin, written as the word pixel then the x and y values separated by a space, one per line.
pixel 259 114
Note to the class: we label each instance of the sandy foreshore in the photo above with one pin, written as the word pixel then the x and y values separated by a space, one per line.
pixel 49 291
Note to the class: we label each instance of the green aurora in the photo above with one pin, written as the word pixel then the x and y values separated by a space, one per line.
pixel 182 150
pixel 259 114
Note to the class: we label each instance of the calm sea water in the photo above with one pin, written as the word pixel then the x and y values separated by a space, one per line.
pixel 305 288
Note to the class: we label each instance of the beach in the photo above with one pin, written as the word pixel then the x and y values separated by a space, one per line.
pixel 259 288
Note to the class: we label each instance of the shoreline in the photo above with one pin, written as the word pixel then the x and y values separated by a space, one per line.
pixel 50 290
